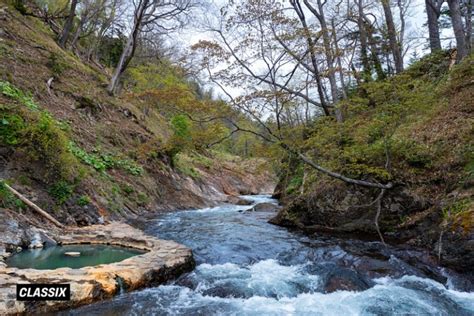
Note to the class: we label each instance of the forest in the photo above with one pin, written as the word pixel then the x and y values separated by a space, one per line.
pixel 242 157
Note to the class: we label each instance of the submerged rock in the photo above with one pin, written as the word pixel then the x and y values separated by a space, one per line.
pixel 237 200
pixel 264 207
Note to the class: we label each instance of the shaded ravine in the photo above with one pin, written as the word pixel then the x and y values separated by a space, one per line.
pixel 246 266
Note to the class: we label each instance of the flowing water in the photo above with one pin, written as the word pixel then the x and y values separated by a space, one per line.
pixel 246 266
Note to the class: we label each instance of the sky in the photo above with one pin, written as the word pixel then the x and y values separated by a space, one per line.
pixel 415 29
pixel 415 21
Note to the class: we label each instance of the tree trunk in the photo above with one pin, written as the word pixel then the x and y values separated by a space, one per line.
pixel 468 18
pixel 433 26
pixel 312 53
pixel 33 206
pixel 364 50
pixel 329 60
pixel 401 37
pixel 130 46
pixel 327 46
pixel 374 53
pixel 120 68
pixel 392 36
pixel 78 32
pixel 68 25
pixel 339 62
pixel 458 28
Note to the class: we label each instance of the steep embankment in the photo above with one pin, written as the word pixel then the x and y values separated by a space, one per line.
pixel 85 156
pixel 415 130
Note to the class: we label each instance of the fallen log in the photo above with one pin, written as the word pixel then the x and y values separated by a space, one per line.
pixel 33 206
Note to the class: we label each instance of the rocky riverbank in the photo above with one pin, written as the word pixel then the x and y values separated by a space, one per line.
pixel 406 219
pixel 163 260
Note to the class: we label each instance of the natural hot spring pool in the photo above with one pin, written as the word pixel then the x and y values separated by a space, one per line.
pixel 54 257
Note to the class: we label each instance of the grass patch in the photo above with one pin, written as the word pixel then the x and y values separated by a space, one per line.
pixel 456 208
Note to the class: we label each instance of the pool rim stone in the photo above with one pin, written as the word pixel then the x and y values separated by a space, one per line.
pixel 163 261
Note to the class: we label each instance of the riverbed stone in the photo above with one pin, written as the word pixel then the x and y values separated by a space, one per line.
pixel 265 207
pixel 162 261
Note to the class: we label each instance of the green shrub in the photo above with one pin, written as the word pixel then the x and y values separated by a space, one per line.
pixel 142 198
pixel 7 89
pixel 181 138
pixel 104 161
pixel 294 184
pixel 11 126
pixel 128 189
pixel 415 154
pixel 84 200
pixel 61 191
pixel 37 134
pixel 89 159
pixel 456 207
pixel 45 141
pixel 433 66
pixel 56 65
pixel 19 5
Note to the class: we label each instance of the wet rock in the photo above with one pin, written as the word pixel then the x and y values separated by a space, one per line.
pixel 223 291
pixel 36 242
pixel 337 283
pixel 264 207
pixel 247 191
pixel 344 280
pixel 237 200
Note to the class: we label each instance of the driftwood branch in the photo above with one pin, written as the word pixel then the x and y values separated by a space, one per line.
pixel 34 206
pixel 377 215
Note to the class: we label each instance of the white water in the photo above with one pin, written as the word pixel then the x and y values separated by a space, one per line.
pixel 249 267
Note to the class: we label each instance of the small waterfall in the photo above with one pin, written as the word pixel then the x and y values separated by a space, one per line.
pixel 122 286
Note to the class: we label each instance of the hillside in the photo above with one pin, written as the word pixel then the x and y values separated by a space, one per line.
pixel 415 130
pixel 271 157
pixel 87 157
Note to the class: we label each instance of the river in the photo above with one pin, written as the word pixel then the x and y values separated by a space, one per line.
pixel 246 266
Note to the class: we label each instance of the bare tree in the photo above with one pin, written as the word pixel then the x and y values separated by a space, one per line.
pixel 90 10
pixel 108 19
pixel 433 11
pixel 312 52
pixel 458 28
pixel 68 25
pixel 364 47
pixel 467 12
pixel 392 36
pixel 273 71
pixel 148 15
